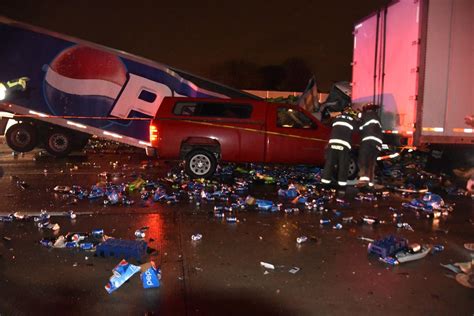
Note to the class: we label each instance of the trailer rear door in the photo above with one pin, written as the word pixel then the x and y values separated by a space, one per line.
pixel 449 72
pixel 385 64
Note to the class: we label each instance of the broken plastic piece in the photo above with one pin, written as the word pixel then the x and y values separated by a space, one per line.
pixel 267 265
pixel 294 270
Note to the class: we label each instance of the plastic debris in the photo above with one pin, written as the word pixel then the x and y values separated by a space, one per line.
pixel 267 265
pixel 294 270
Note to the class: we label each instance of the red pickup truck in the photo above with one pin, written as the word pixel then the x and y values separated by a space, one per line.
pixel 204 131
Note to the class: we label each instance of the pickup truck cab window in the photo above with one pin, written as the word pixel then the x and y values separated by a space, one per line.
pixel 291 118
pixel 213 109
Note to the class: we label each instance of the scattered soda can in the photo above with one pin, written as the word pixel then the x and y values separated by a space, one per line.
pixel 196 237
pixel 437 248
pixel 389 260
pixel 347 219
pixel 62 189
pixel 46 243
pixel 301 239
pixel 71 244
pixel 231 219
pixel 72 215
pixel 370 220
pixel 97 233
pixel 86 246
pixel 325 221
pixel 139 233
pixel 337 226
pixel 77 237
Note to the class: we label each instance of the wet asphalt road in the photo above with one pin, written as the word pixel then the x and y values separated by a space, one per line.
pixel 220 274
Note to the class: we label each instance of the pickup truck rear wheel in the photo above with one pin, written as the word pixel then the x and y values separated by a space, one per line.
pixel 200 164
pixel 22 137
pixel 353 168
pixel 58 143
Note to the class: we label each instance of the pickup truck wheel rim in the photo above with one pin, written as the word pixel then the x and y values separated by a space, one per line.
pixel 58 142
pixel 352 167
pixel 200 164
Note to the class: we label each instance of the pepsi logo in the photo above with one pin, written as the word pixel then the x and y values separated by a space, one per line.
pixel 84 81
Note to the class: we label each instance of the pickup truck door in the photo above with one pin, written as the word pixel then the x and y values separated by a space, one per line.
pixel 294 137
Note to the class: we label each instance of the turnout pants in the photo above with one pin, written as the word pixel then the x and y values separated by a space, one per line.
pixel 368 153
pixel 337 156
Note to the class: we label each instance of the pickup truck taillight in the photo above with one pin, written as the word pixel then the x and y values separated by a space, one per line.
pixel 153 133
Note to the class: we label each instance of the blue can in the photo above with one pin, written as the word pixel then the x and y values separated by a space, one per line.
pixel 325 221
pixel 231 219
pixel 437 248
pixel 97 232
pixel 71 244
pixel 46 242
pixel 86 246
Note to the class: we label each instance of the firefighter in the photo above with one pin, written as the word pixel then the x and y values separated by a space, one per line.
pixel 371 144
pixel 339 147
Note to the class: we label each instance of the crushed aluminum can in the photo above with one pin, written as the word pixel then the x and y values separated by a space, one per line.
pixel 72 215
pixel 301 239
pixel 231 219
pixel 437 248
pixel 196 237
pixel 347 219
pixel 139 233
pixel 87 246
pixel 389 260
pixel 97 233
pixel 337 226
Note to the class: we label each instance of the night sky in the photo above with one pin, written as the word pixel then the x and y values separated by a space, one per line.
pixel 201 37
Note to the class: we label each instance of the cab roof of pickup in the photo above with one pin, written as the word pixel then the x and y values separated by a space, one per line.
pixel 237 108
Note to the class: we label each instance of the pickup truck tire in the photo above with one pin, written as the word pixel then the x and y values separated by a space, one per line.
pixel 22 137
pixel 200 163
pixel 58 143
pixel 353 168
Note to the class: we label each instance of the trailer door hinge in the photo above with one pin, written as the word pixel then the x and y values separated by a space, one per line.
pixel 413 97
pixel 415 70
pixel 416 42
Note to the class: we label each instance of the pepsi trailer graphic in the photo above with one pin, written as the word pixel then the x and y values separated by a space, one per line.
pixel 90 88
